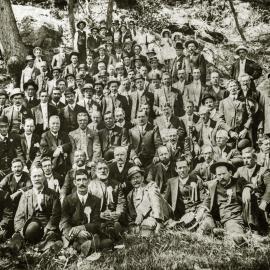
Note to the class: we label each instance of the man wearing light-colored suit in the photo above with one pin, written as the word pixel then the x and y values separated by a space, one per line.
pixel 85 139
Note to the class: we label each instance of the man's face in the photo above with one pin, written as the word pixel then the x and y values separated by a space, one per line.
pixel 94 32
pixel 37 178
pixel 17 100
pixel 70 98
pixel 62 48
pixel 30 91
pixel 182 169
pixel 56 74
pixel 108 120
pixel 127 61
pixel 101 66
pixel 83 121
pixel 102 171
pixel 131 75
pixel 196 74
pixel 209 103
pixel 156 83
pixel 3 100
pixel 81 182
pixel 138 64
pixel 98 89
pixel 29 127
pixel 191 47
pixel 88 93
pixel 62 86
pixel 245 82
pixel 70 81
pixel 44 97
pixel 242 54
pixel 266 146
pixel 56 95
pixel 139 84
pixel 47 167
pixel 223 175
pixel 189 109
pixel 80 83
pixel 96 118
pixel 54 125
pixel 166 80
pixel 181 75
pixel 167 111
pixel 205 117
pixel 136 180
pixel 30 63
pixel 120 156
pixel 207 154
pixel 173 138
pixel 221 140
pixel 179 52
pixel 113 88
pixel 248 159
pixel 119 116
pixel 233 88
pixel 79 158
pixel 101 52
pixel 89 59
pixel 3 129
pixel 137 50
pixel 17 168
pixel 215 78
pixel 164 155
pixel 142 118
pixel 74 59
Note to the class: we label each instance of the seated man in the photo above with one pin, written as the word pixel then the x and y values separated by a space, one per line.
pixel 183 191
pixel 225 202
pixel 80 221
pixel 147 209
pixel 113 202
pixel 161 172
pixel 38 214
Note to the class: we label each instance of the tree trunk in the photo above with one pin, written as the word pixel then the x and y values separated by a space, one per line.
pixel 9 34
pixel 71 17
pixel 239 29
pixel 109 14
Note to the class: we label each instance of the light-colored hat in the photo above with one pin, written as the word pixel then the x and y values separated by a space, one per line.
pixel 133 170
pixel 119 65
pixel 241 47
pixel 15 92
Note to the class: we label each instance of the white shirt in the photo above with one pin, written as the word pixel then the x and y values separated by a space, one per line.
pixel 39 196
pixel 28 140
pixel 83 198
pixel 17 178
pixel 206 133
pixel 242 64
pixel 44 110
pixel 142 128
pixel 120 168
pixel 17 108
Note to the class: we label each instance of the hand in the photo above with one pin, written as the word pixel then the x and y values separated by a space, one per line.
pixel 158 228
pixel 139 219
pixel 197 149
pixel 263 205
pixel 155 160
pixel 84 234
pixel 15 195
pixel 105 215
pixel 76 230
pixel 233 134
pixel 2 173
pixel 246 196
pixel 137 162
pixel 114 215
pixel 200 214
pixel 56 152
pixel 243 133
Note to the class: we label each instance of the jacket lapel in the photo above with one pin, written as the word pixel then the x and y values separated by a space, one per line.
pixel 174 192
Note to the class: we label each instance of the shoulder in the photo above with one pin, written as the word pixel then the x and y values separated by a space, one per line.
pixel 172 180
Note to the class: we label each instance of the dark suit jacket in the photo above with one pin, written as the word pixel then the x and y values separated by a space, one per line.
pixel 199 129
pixel 73 213
pixel 6 211
pixel 251 68
pixel 93 43
pixel 27 209
pixel 59 106
pixel 30 104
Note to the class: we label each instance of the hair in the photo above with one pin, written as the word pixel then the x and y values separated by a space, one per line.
pixel 206 146
pixel 232 81
pixel 81 172
pixel 108 112
pixel 82 114
pixel 119 148
pixel 142 111
pixel 29 119
pixel 54 116
pixel 14 160
pixel 44 159
pixel 43 91
pixel 162 146
pixel 189 102
pixel 101 161
pixel 119 109
pixel 79 151
pixel 182 158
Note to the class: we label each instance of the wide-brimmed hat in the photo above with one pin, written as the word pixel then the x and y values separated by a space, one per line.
pixel 206 96
pixel 133 170
pixel 3 93
pixel 3 120
pixel 33 230
pixel 69 91
pixel 30 82
pixel 56 68
pixel 83 22
pixel 15 92
pixel 222 162
pixel 70 75
pixel 151 51
pixel 190 42
pixel 99 82
pixel 166 31
pixel 241 47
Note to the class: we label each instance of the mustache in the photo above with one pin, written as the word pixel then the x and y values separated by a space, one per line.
pixel 82 186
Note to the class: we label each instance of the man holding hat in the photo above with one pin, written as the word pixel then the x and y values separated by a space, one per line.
pixel 244 65
pixel 147 209
pixel 225 202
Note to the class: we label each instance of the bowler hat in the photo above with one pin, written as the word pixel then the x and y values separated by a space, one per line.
pixel 70 75
pixel 83 22
pixel 3 120
pixel 179 46
pixel 3 93
pixel 56 68
pixel 241 47
pixel 155 76
pixel 30 82
pixel 15 92
pixel 152 51
pixel 243 143
pixel 191 41
pixel 136 58
pixel 99 82
pixel 69 91
pixel 133 170
pixel 33 230
pixel 206 96
pixel 219 163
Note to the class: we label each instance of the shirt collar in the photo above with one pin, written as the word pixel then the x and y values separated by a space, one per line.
pixel 82 197
pixel 38 192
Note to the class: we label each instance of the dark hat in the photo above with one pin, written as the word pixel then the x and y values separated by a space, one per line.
pixel 3 93
pixel 15 92
pixel 243 143
pixel 30 82
pixel 219 163
pixel 73 53
pixel 3 120
pixel 155 76
pixel 116 21
pixel 139 77
pixel 61 80
pixel 190 42
pixel 70 75
pixel 33 230
pixel 98 82
pixel 136 58
pixel 206 96
pixel 179 46
pixel 125 55
pixel 84 23
pixel 56 68
pixel 113 80
pixel 133 170
pixel 117 45
pixel 69 91
pixel 151 51
pixel 94 27
pixel 138 45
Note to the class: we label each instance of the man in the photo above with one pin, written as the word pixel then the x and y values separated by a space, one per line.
pixel 43 112
pixel 80 162
pixel 10 147
pixel 79 85
pixel 113 203
pixel 147 210
pixel 245 65
pixel 144 140
pixel 17 182
pixel 119 168
pixel 55 99
pixel 96 123
pixel 190 118
pixel 202 169
pixel 68 114
pixel 194 60
pixel 80 220
pixel 3 100
pixel 181 81
pixel 102 56
pixel 72 68
pixel 43 78
pixel 263 156
pixel 38 214
pixel 120 118
pixel 56 144
pixel 53 180
pixel 225 202
pixel 195 90
pixel 161 172
pixel 168 94
pixel 140 96
pixel 183 191
pixel 93 41
pixel 177 62
pixel 30 88
pixel 111 136
pixel 17 113
pixel 60 59
pixel 55 80
pixel 30 142
pixel 137 52
pixel 85 139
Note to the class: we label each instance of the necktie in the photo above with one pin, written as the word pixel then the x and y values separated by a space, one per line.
pixel 82 201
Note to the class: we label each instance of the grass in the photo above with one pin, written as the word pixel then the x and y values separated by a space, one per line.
pixel 170 250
